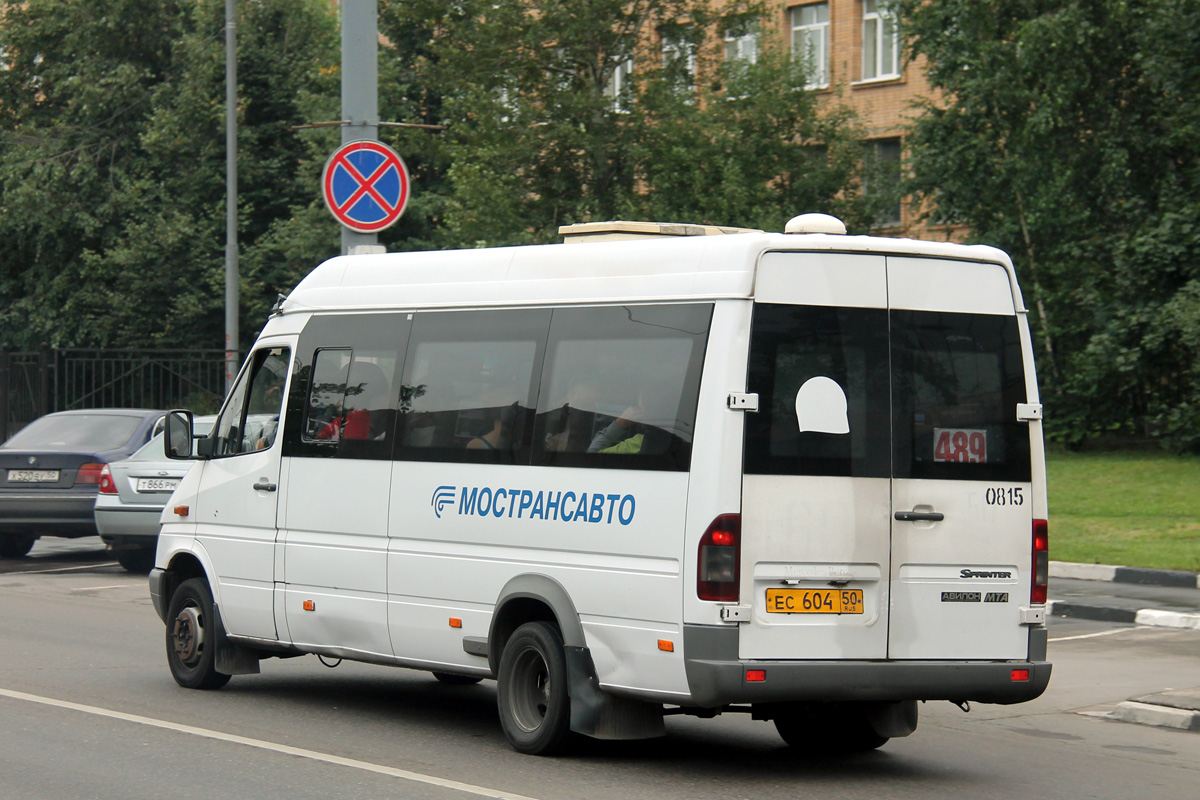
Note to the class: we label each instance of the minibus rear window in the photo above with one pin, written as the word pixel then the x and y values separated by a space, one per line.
pixel 821 374
pixel 957 380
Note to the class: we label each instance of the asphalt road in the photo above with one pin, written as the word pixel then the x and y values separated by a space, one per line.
pixel 88 710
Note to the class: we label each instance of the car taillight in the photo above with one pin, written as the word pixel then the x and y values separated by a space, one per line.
pixel 106 481
pixel 90 473
pixel 1041 561
pixel 717 566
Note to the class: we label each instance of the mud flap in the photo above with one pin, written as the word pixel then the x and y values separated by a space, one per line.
pixel 601 715
pixel 232 659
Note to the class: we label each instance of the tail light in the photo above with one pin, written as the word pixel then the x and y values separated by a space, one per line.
pixel 90 473
pixel 106 481
pixel 1041 561
pixel 717 566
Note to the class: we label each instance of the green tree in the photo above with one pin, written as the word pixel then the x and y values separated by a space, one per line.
pixel 1061 134
pixel 546 124
pixel 112 177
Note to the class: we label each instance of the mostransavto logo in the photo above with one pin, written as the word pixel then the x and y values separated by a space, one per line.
pixel 487 501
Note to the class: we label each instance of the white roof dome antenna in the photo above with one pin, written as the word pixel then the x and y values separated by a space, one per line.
pixel 816 223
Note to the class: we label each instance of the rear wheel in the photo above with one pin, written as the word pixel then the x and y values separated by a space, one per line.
pixel 191 637
pixel 535 710
pixel 828 728
pixel 15 545
pixel 138 560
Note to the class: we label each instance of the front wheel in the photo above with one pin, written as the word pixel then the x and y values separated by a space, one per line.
pixel 535 710
pixel 191 637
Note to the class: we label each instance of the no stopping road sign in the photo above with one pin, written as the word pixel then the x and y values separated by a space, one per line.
pixel 365 185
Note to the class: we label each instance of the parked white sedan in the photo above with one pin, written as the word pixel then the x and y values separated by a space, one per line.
pixel 132 496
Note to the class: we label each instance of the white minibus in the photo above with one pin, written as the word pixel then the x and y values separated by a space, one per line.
pixel 656 469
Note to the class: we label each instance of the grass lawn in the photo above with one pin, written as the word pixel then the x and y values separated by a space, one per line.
pixel 1134 509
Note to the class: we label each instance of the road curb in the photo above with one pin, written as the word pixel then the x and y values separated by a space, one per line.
pixel 1115 574
pixel 1152 617
pixel 1156 715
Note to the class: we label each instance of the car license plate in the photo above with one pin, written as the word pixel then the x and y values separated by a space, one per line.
pixel 33 476
pixel 815 601
pixel 157 484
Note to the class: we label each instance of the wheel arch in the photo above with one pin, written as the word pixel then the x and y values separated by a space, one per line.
pixel 532 598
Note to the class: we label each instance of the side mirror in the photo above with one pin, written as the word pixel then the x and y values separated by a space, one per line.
pixel 177 436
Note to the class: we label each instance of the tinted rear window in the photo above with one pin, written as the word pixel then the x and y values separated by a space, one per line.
pixel 91 432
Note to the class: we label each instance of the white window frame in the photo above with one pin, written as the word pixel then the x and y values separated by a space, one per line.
pixel 621 76
pixel 743 48
pixel 810 41
pixel 880 42
pixel 675 48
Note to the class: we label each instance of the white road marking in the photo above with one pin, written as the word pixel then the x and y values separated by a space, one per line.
pixel 1094 635
pixel 98 588
pixel 313 755
pixel 101 564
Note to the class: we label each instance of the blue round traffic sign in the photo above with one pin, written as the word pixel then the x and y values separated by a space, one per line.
pixel 365 184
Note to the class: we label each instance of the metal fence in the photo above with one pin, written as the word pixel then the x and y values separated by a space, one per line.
pixel 54 379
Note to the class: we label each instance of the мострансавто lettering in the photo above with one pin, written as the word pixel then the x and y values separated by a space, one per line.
pixel 594 507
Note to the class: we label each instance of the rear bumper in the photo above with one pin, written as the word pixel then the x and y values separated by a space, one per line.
pixel 716 677
pixel 128 522
pixel 53 514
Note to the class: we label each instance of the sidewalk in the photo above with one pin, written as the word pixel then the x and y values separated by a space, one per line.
pixel 1160 598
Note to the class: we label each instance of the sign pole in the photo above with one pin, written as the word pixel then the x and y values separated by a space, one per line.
pixel 232 334
pixel 360 99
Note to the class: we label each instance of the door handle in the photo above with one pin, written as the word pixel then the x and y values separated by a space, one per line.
pixel 264 485
pixel 919 516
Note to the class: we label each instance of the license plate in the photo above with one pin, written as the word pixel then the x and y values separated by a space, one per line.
pixel 815 601
pixel 157 484
pixel 33 476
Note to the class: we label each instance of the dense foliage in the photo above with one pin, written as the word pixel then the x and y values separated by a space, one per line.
pixel 1066 132
pixel 112 167
pixel 544 125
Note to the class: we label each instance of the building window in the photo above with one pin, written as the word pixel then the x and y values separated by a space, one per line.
pixel 881 42
pixel 881 178
pixel 620 86
pixel 742 48
pixel 810 42
pixel 679 60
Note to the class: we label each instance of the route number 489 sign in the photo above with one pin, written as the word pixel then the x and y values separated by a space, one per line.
pixel 961 445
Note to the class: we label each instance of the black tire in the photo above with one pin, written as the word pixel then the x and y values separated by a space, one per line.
pixel 191 637
pixel 535 709
pixel 828 729
pixel 15 545
pixel 456 680
pixel 139 560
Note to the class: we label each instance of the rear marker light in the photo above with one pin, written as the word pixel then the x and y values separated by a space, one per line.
pixel 756 675
pixel 718 557
pixel 1020 674
pixel 106 482
pixel 309 605
pixel 90 473
pixel 1041 561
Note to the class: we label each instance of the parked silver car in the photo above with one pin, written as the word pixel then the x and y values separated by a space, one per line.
pixel 132 496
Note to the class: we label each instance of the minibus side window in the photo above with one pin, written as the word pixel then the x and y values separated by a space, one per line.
pixel 470 385
pixel 342 403
pixel 250 420
pixel 957 381
pixel 620 387
pixel 821 374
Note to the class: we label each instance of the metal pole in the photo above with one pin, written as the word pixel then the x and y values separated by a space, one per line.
pixel 232 334
pixel 360 81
